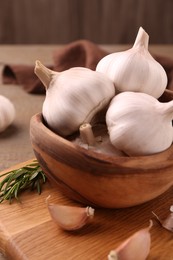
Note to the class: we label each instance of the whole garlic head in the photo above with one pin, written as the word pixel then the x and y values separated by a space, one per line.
pixel 73 97
pixel 139 124
pixel 7 113
pixel 135 69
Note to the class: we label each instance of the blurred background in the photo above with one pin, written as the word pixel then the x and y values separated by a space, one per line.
pixel 101 21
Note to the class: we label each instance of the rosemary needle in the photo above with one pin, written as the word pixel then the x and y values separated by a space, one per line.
pixel 30 176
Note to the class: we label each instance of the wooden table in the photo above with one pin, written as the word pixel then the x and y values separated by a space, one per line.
pixel 26 229
pixel 28 232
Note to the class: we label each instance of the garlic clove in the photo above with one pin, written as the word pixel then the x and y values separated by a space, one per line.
pixel 136 247
pixel 73 97
pixel 130 118
pixel 70 218
pixel 7 113
pixel 135 69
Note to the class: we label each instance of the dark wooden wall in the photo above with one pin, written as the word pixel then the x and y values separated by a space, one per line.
pixel 101 21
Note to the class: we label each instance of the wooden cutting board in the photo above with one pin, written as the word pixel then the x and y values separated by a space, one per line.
pixel 27 231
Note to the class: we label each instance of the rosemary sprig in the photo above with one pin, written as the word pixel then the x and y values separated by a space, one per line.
pixel 14 182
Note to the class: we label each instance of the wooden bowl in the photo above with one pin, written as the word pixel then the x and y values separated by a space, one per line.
pixel 98 179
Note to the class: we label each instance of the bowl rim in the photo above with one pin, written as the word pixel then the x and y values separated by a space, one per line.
pixel 158 159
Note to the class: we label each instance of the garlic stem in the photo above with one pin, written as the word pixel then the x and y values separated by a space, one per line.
pixel 43 73
pixel 86 134
pixel 142 39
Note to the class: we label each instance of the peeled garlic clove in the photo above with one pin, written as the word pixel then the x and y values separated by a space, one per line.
pixel 136 247
pixel 135 69
pixel 70 218
pixel 7 113
pixel 73 97
pixel 138 124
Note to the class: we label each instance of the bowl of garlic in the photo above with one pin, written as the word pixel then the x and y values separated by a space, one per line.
pixel 103 141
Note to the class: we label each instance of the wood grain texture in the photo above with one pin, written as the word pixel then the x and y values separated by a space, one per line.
pixel 109 228
pixel 27 231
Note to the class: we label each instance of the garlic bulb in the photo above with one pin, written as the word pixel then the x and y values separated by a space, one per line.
pixel 7 113
pixel 136 247
pixel 73 97
pixel 70 217
pixel 139 124
pixel 135 69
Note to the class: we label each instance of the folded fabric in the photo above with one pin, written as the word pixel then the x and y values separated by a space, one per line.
pixel 81 53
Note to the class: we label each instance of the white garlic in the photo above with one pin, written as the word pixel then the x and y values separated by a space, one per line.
pixel 7 113
pixel 135 69
pixel 139 124
pixel 73 97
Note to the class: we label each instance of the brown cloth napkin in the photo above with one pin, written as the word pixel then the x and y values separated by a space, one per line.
pixel 81 53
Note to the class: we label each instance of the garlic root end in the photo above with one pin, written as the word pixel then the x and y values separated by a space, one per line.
pixel 90 212
pixel 70 218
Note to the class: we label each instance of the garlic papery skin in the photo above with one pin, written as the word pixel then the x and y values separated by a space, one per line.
pixel 70 218
pixel 138 124
pixel 136 247
pixel 7 113
pixel 135 69
pixel 167 223
pixel 73 97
